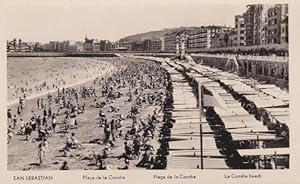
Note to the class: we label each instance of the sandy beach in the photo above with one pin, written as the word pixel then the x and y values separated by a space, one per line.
pixel 22 154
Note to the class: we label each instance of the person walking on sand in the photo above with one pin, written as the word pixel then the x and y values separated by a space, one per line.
pixel 19 111
pixel 42 149
pixel 28 131
pixel 22 126
pixel 38 103
pixel 10 133
pixel 14 122
pixel 53 123
pixel 42 103
pixel 9 116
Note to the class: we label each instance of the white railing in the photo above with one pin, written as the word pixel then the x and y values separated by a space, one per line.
pixel 247 57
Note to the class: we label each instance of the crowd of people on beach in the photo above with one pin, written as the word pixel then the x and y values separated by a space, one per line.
pixel 142 85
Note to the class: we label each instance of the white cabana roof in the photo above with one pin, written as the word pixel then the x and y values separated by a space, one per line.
pixel 265 151
pixel 269 103
pixel 252 136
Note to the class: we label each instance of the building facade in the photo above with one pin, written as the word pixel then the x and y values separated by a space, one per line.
pixel 276 17
pixel 170 42
pixel 116 46
pixel 97 46
pixel 239 31
pixel 102 46
pixel 108 46
pixel 54 46
pixel 156 44
pixel 284 33
pixel 249 24
pixel 232 37
pixel 124 45
pixel 137 46
pixel 88 45
pixel 262 24
pixel 147 45
pixel 73 48
pixel 257 24
pixel 221 39
pixel 207 37
pixel 20 46
pixel 197 38
pixel 64 46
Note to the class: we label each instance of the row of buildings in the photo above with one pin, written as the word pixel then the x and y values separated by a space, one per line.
pixel 20 46
pixel 88 45
pixel 260 24
pixel 147 45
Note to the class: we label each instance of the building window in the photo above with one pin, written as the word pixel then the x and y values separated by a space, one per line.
pixel 275 21
pixel 275 31
pixel 282 30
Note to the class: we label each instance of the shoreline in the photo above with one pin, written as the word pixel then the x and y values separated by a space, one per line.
pixel 33 96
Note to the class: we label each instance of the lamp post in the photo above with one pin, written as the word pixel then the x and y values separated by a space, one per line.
pixel 183 38
pixel 257 138
pixel 200 125
pixel 177 44
pixel 200 93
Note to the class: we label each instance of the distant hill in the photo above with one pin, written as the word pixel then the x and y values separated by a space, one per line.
pixel 151 34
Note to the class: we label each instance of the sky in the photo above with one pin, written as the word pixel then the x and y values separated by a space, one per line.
pixel 35 22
